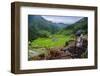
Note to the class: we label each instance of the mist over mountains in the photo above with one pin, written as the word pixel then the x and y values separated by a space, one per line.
pixel 39 26
pixel 39 19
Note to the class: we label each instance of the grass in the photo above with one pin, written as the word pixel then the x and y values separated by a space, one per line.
pixel 53 41
pixel 39 45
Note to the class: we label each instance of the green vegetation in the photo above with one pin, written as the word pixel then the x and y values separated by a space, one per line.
pixel 80 25
pixel 54 41
pixel 43 35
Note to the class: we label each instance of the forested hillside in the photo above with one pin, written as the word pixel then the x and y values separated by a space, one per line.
pixel 79 25
pixel 39 27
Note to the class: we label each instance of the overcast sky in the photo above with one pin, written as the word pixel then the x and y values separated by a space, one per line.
pixel 63 19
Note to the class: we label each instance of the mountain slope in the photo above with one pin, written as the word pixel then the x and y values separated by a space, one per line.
pixel 38 26
pixel 79 25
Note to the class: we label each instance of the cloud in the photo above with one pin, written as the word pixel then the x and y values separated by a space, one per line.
pixel 63 19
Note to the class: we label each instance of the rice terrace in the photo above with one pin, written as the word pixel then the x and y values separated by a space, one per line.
pixel 57 37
